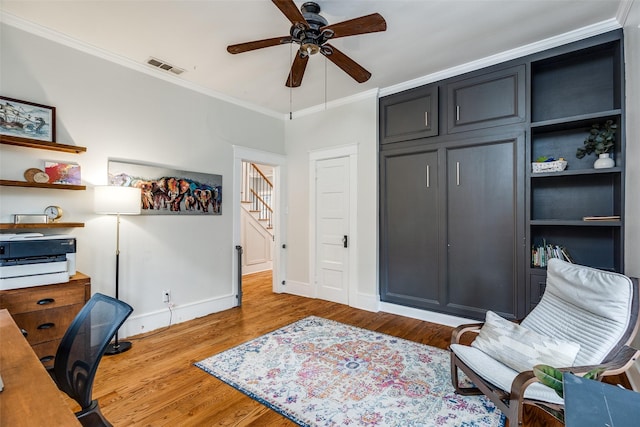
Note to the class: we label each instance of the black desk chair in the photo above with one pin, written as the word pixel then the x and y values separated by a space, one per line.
pixel 81 349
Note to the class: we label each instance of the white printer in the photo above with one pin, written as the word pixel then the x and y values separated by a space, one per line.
pixel 33 259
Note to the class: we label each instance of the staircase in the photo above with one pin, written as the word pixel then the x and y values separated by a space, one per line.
pixel 256 195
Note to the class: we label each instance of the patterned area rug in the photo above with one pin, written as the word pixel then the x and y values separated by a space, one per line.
pixel 319 372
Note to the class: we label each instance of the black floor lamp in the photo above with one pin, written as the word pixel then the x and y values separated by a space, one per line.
pixel 115 200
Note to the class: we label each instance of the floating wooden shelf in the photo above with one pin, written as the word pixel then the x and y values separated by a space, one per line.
pixel 44 145
pixel 575 172
pixel 11 226
pixel 578 222
pixel 9 183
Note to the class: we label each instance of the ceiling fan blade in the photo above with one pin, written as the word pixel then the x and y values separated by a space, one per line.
pixel 365 24
pixel 258 44
pixel 297 71
pixel 347 64
pixel 291 11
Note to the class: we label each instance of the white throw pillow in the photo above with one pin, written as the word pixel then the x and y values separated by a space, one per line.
pixel 520 348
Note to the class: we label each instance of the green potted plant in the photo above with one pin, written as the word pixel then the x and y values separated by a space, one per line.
pixel 601 140
pixel 552 377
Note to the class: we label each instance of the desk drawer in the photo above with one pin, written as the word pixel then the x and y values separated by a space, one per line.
pixel 46 325
pixel 41 298
pixel 46 352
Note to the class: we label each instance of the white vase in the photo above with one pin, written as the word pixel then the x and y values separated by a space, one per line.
pixel 604 161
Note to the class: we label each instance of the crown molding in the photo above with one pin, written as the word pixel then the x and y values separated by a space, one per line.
pixel 623 11
pixel 539 46
pixel 55 36
pixel 372 93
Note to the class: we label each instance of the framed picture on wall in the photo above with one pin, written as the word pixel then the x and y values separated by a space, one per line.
pixel 166 191
pixel 27 119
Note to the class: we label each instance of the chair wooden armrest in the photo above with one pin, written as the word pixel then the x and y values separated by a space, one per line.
pixel 617 365
pixel 457 333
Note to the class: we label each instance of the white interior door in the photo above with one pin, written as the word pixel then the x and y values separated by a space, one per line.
pixel 332 229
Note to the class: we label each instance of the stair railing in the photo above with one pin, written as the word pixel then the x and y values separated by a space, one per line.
pixel 257 189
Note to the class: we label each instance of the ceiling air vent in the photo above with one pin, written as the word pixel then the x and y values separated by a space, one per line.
pixel 155 62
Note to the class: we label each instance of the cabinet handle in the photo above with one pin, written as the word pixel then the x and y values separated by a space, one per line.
pixel 428 183
pixel 458 173
pixel 24 332
pixel 457 113
pixel 426 118
pixel 45 301
pixel 46 359
pixel 46 325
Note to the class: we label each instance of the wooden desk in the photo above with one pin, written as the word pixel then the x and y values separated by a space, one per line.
pixel 590 403
pixel 30 397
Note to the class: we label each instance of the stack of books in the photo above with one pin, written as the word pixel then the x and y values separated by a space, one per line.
pixel 541 254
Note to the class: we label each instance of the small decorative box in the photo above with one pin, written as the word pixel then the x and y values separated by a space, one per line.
pixel 30 219
pixel 555 166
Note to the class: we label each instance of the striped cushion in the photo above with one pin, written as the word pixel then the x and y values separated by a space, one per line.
pixel 583 305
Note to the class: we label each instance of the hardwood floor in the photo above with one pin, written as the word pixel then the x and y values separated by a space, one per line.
pixel 156 384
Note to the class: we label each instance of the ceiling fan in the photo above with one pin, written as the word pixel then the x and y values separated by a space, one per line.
pixel 311 31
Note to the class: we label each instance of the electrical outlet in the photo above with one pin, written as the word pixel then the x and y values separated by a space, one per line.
pixel 166 295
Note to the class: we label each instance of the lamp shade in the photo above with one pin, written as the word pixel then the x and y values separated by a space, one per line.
pixel 111 199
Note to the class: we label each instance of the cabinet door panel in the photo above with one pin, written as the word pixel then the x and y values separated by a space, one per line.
pixel 493 99
pixel 409 244
pixel 483 218
pixel 409 115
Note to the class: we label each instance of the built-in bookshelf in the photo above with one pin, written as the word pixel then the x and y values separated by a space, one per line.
pixel 580 209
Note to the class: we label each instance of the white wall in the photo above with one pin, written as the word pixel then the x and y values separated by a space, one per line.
pixel 348 124
pixel 119 113
pixel 632 196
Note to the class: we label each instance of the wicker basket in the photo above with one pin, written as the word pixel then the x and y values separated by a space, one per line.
pixel 556 166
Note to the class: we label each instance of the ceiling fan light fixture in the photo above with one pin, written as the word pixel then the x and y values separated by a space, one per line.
pixel 309 48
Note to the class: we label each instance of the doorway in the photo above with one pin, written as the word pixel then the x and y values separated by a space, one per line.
pixel 256 217
pixel 277 163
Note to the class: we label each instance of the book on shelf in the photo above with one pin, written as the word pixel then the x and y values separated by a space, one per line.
pixel 601 218
pixel 541 254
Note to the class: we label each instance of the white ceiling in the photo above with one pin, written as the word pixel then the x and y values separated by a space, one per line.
pixel 423 37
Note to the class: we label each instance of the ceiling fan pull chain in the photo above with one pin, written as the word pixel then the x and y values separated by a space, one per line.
pixel 290 84
pixel 325 82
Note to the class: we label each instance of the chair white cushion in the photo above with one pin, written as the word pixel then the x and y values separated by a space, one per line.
pixel 501 375
pixel 520 348
pixel 584 305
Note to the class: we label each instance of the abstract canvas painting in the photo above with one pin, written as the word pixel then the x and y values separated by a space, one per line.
pixel 166 191
pixel 63 173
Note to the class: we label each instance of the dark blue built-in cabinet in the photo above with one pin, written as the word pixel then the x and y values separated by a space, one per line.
pixel 461 209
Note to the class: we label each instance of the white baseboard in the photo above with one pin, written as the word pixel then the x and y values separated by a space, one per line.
pixel 257 268
pixel 366 302
pixel 427 316
pixel 181 313
pixel 300 289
